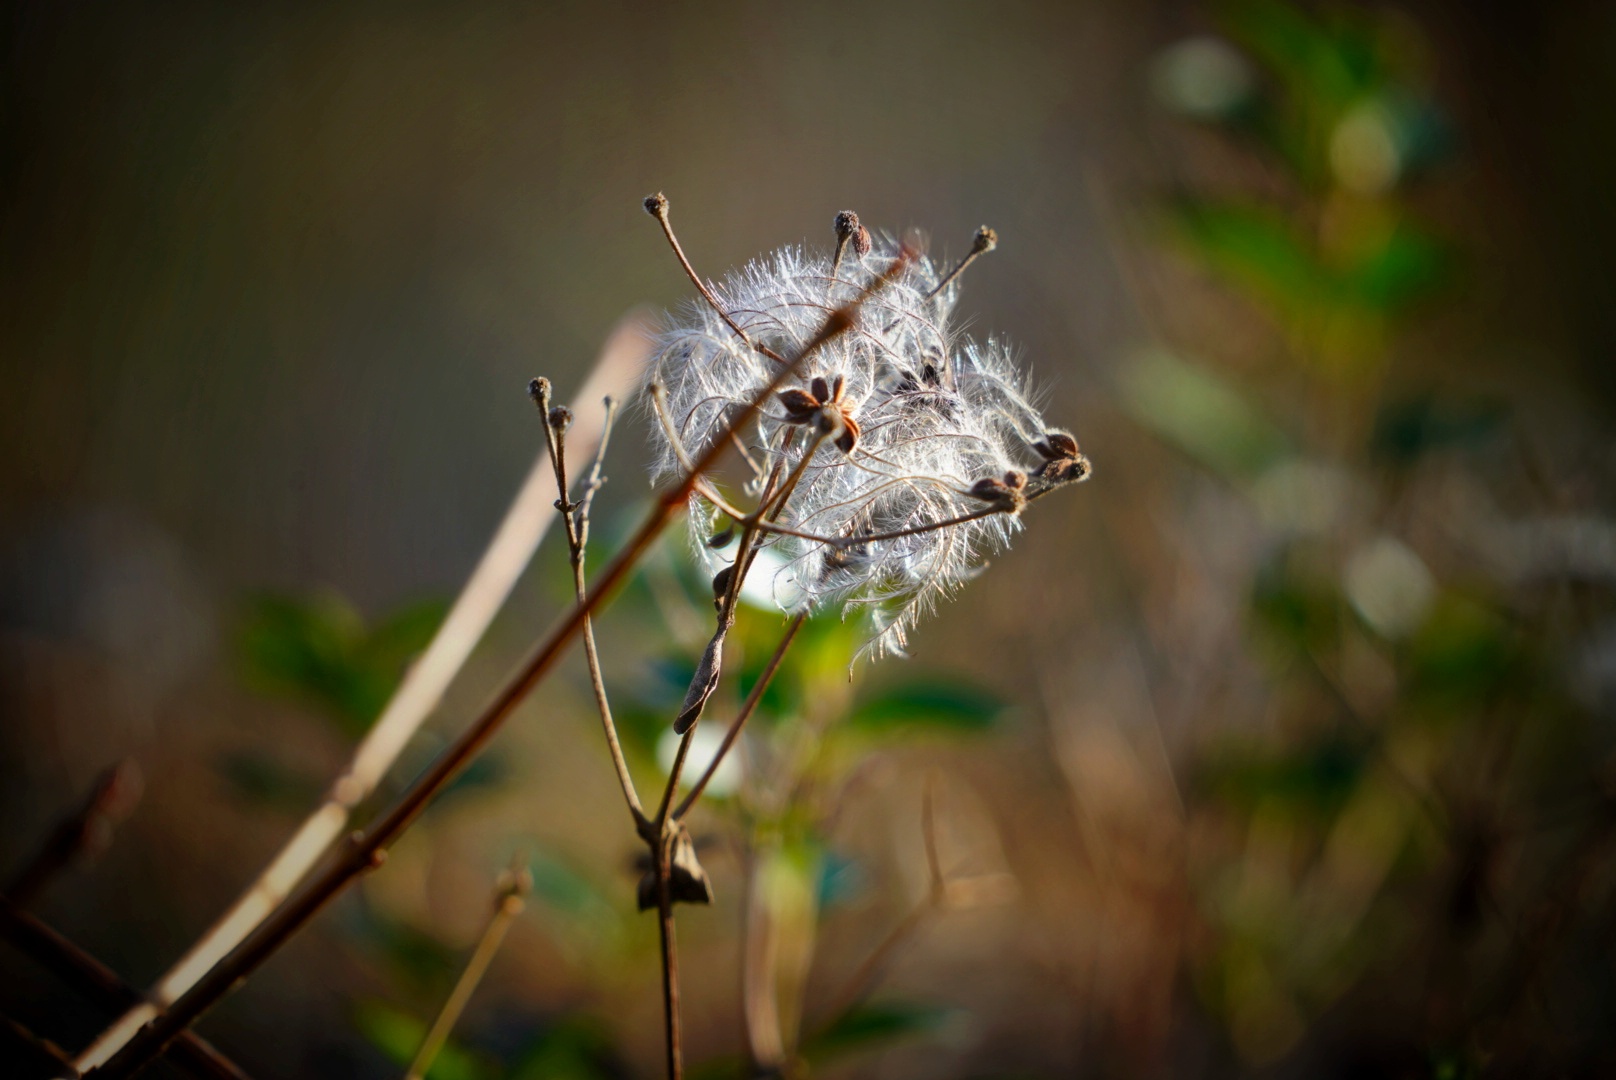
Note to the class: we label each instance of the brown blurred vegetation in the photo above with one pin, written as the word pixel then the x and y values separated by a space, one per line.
pixel 1283 747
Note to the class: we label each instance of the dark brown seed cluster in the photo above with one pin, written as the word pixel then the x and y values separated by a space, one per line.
pixel 824 406
pixel 1063 461
pixel 848 228
pixel 687 881
pixel 1009 493
pixel 721 582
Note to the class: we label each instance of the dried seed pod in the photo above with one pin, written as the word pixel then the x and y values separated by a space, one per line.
pixel 849 436
pixel 800 405
pixel 721 539
pixel 687 881
pixel 1065 470
pixel 1007 494
pixel 990 489
pixel 1057 444
pixel 560 418
pixel 721 582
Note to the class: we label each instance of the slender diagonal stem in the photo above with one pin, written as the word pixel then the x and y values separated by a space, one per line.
pixel 983 242
pixel 510 896
pixel 417 696
pixel 657 206
pixel 96 982
pixel 367 849
pixel 85 831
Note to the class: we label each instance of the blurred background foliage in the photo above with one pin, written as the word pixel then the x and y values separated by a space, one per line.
pixel 1282 748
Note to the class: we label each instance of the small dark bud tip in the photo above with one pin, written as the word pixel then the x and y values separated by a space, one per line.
pixel 861 241
pixel 986 240
pixel 656 205
pixel 538 389
pixel 721 538
pixel 560 417
pixel 846 224
pixel 721 582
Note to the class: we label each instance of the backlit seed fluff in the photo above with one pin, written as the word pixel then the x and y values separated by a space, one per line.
pixel 910 424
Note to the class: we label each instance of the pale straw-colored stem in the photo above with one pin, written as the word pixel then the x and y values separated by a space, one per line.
pixel 525 524
pixel 509 899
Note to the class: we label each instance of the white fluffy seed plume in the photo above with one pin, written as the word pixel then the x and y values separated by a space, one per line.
pixel 911 426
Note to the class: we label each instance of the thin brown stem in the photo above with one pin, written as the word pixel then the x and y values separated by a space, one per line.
pixel 983 242
pixel 83 833
pixel 367 849
pixel 32 1055
pixel 670 966
pixel 417 697
pixel 657 206
pixel 575 518
pixel 747 709
pixel 510 896
pixel 91 979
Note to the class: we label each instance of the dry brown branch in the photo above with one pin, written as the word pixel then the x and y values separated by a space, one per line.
pixel 367 849
pixel 418 695
pixel 575 518
pixel 82 834
pixel 93 980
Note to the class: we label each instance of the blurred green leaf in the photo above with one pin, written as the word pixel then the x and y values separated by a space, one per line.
pixel 398 1035
pixel 931 704
pixel 268 784
pixel 1407 264
pixel 1406 429
pixel 1253 248
pixel 414 957
pixel 566 890
pixel 576 1048
pixel 1295 603
pixel 874 1024
pixel 1315 778
pixel 1462 656
pixel 319 651
pixel 1318 70
pixel 1195 410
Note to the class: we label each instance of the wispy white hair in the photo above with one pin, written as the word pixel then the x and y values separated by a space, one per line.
pixel 937 413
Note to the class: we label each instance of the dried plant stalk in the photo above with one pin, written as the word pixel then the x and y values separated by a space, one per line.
pixel 96 982
pixel 367 849
pixel 510 896
pixel 423 687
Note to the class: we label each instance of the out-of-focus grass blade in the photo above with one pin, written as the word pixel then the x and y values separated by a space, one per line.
pixel 1200 414
pixel 871 1025
pixel 931 704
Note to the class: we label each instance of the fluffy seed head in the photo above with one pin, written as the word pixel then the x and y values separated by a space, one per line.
pixel 910 429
